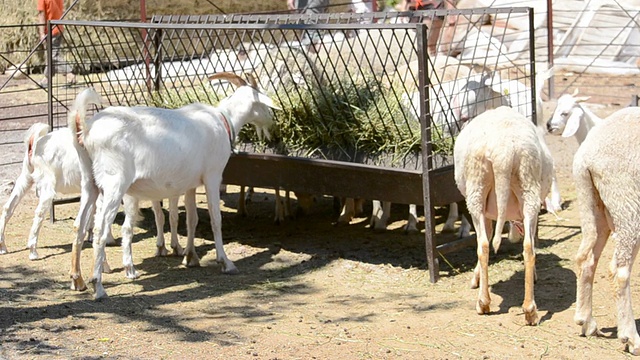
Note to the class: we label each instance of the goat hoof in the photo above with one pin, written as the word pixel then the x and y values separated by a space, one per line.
pixel 3 248
pixel 131 273
pixel 33 254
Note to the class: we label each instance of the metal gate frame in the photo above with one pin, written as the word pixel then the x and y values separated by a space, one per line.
pixel 430 187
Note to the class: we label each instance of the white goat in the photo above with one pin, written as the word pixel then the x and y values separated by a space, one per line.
pixel 151 153
pixel 607 186
pixel 503 169
pixel 51 163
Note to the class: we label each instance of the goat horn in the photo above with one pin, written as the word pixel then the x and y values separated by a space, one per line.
pixel 252 80
pixel 230 77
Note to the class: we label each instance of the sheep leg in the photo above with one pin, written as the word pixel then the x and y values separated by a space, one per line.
pixel 348 211
pixel 191 259
pixel 481 273
pixel 475 279
pixel 23 184
pixel 161 250
pixel 529 305
pixel 412 222
pixel 280 207
pixel 131 212
pixel 174 215
pixel 380 216
pixel 242 202
pixel 216 225
pixel 595 233
pixel 449 225
pixel 621 266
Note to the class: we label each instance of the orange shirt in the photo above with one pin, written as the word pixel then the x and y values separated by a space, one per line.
pixel 52 10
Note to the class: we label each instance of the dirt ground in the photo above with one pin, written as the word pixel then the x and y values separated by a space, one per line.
pixel 306 290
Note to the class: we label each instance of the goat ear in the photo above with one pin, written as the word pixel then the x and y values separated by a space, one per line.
pixel 264 99
pixel 573 123
pixel 580 99
pixel 575 92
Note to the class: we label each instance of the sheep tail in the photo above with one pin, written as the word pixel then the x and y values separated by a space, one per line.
pixel 502 181
pixel 77 115
pixel 35 132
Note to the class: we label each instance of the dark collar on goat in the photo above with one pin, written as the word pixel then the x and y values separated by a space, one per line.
pixel 230 130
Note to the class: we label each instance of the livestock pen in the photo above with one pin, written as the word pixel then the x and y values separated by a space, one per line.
pixel 366 112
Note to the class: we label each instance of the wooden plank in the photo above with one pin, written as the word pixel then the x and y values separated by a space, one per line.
pixel 337 178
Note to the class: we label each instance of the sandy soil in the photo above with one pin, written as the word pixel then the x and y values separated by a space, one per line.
pixel 306 290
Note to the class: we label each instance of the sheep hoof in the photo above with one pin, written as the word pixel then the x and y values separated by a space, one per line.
pixel 106 269
pixel 448 229
pixel 33 254
pixel 77 284
pixel 229 268
pixel 191 260
pixel 532 317
pixel 411 230
pixel 475 282
pixel 482 308
pixel 161 251
pixel 178 251
pixel 589 327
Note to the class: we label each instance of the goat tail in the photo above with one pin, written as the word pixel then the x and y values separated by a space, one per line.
pixel 77 115
pixel 35 132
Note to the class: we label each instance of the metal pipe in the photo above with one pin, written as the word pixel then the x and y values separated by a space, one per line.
pixel 550 45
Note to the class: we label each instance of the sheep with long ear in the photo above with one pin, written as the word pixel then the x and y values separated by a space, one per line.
pixel 151 153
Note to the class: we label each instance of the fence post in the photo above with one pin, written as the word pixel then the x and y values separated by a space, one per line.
pixel 157 41
pixel 532 63
pixel 425 126
pixel 550 45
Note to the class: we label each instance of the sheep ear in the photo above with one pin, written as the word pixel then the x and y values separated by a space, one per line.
pixel 264 99
pixel 572 126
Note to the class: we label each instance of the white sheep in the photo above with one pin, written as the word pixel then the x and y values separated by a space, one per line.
pixel 457 101
pixel 607 185
pixel 503 169
pixel 570 118
pixel 151 153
